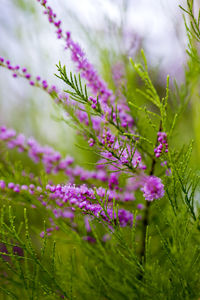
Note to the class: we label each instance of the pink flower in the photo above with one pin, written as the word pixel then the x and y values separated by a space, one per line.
pixel 153 188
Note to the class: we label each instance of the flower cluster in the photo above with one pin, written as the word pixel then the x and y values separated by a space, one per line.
pixel 88 72
pixel 78 56
pixel 51 159
pixel 98 123
pixel 64 199
pixel 18 71
pixel 5 254
pixel 163 145
pixel 53 162
pixel 153 188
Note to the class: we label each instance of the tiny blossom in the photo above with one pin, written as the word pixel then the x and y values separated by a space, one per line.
pixel 11 185
pixel 87 223
pixel 18 251
pixel 93 102
pixel 163 145
pixel 91 142
pixel 2 184
pixel 24 187
pixel 16 189
pixel 3 249
pixel 42 234
pixel 32 82
pixel 32 186
pixel 28 76
pixel 89 239
pixel 140 206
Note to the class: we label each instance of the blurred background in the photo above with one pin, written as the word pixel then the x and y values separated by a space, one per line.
pixel 107 30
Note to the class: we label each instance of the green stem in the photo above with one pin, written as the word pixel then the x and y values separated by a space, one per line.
pixel 145 221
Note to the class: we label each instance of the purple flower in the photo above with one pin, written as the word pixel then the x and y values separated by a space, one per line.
pixel 2 185
pixel 3 249
pixel 18 251
pixel 89 239
pixel 140 206
pixel 163 145
pixel 153 188
pixel 11 185
pixel 87 223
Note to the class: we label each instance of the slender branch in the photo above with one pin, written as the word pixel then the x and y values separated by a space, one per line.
pixel 146 218
pixel 145 222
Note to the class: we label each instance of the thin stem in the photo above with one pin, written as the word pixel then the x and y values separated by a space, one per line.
pixel 146 219
pixel 145 222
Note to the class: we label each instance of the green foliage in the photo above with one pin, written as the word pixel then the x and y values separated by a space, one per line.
pixel 26 268
pixel 194 29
